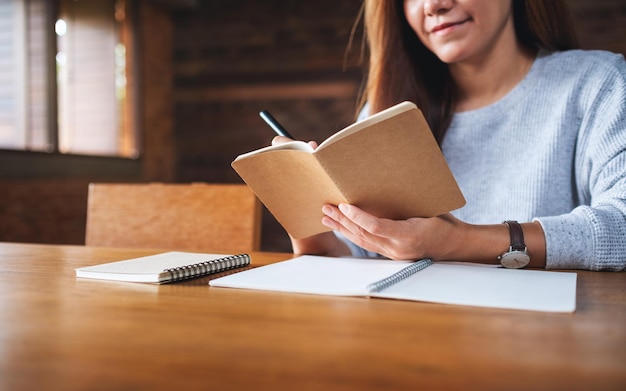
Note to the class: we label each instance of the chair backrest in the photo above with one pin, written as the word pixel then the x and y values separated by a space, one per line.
pixel 196 216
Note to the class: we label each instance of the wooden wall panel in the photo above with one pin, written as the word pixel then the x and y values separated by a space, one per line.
pixel 601 24
pixel 155 96
pixel 233 59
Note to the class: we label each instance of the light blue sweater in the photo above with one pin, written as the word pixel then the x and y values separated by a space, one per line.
pixel 552 150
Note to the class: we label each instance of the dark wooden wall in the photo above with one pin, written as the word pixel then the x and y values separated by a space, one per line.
pixel 208 68
pixel 233 59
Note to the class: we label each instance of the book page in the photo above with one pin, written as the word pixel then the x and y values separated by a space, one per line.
pixel 314 275
pixel 292 145
pixel 472 285
pixel 444 283
pixel 378 117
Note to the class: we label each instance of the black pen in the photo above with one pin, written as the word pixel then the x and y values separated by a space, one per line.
pixel 271 121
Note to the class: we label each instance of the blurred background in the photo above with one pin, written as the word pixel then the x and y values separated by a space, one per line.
pixel 170 90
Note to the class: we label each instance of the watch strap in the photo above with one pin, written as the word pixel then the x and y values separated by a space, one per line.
pixel 517 235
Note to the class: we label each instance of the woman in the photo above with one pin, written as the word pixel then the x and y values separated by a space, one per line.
pixel 533 131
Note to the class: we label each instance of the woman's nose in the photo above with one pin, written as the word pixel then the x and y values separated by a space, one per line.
pixel 434 7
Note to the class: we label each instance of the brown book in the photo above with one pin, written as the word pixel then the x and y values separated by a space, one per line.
pixel 388 164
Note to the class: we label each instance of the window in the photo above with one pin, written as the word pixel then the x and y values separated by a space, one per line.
pixel 66 77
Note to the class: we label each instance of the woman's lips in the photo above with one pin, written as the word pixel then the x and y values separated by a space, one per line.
pixel 446 26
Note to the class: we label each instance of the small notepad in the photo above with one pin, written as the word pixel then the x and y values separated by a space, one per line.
pixel 165 267
pixel 438 282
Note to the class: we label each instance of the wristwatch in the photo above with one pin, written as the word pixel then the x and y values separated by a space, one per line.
pixel 517 256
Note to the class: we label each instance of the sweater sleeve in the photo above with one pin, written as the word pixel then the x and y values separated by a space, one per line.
pixel 593 235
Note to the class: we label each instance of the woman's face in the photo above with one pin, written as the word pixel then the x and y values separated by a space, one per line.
pixel 461 30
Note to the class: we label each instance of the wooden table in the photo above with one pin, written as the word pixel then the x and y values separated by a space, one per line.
pixel 59 332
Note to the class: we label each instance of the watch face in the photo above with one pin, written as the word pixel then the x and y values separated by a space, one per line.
pixel 515 259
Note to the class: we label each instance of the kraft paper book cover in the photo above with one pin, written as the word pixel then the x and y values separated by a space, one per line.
pixel 388 164
pixel 426 281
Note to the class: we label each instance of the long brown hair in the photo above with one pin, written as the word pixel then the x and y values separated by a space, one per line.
pixel 401 68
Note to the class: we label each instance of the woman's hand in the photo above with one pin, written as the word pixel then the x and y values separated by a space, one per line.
pixel 438 237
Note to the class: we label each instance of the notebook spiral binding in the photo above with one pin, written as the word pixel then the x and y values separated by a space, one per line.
pixel 208 267
pixel 399 275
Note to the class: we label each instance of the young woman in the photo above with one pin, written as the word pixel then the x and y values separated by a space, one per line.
pixel 533 130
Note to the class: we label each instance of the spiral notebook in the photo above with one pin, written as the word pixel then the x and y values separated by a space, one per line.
pixel 165 267
pixel 438 282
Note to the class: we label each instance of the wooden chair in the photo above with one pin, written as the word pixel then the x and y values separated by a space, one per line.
pixel 193 217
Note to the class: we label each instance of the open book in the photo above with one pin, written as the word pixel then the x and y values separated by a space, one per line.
pixel 388 164
pixel 165 267
pixel 439 282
